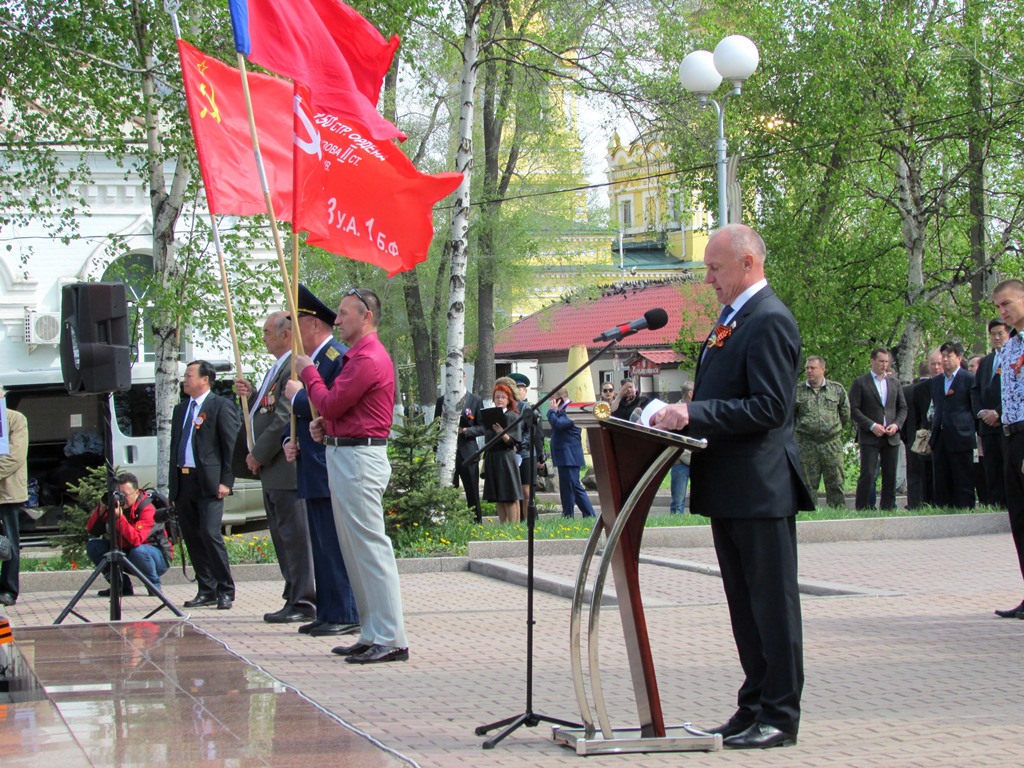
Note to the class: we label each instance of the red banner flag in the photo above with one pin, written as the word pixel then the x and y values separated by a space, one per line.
pixel 325 45
pixel 216 110
pixel 360 198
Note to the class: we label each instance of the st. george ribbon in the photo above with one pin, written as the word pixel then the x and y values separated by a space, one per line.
pixel 653 319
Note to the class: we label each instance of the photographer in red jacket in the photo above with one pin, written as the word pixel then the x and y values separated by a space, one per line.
pixel 138 535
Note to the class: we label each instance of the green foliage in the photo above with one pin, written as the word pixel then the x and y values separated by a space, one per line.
pixel 414 504
pixel 87 494
pixel 856 135
pixel 246 549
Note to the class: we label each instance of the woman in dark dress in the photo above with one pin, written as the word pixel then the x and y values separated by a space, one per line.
pixel 501 467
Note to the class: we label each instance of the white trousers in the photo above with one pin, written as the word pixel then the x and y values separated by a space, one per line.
pixel 358 476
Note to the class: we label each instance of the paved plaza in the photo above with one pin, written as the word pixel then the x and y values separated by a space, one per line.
pixel 911 670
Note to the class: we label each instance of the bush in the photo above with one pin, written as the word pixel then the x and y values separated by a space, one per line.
pixel 415 504
pixel 88 493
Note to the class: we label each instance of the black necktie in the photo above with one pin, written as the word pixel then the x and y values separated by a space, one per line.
pixel 186 433
pixel 726 311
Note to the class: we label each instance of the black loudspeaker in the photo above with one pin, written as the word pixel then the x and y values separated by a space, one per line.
pixel 94 353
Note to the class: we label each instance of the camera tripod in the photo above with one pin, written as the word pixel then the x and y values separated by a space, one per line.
pixel 116 560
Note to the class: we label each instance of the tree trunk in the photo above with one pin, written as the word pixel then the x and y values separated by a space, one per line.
pixel 455 388
pixel 166 206
pixel 984 280
pixel 913 224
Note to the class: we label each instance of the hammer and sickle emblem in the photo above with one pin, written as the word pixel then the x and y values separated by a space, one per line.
pixel 312 145
pixel 210 108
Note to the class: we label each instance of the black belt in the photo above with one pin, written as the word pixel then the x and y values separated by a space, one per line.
pixel 350 441
pixel 1013 429
pixel 186 470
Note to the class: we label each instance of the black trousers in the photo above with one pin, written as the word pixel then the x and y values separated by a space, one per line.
pixel 759 572
pixel 953 474
pixel 470 477
pixel 919 480
pixel 9 570
pixel 1013 461
pixel 992 464
pixel 870 453
pixel 201 518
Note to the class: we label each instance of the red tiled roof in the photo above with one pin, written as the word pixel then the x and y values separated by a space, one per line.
pixel 562 325
pixel 662 356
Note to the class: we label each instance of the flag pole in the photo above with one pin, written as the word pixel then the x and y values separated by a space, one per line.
pixel 265 186
pixel 246 413
pixel 171 6
pixel 296 341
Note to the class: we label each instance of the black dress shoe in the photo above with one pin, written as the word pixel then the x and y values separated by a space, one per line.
pixel 1013 613
pixel 760 736
pixel 351 650
pixel 378 654
pixel 737 724
pixel 286 615
pixel 327 629
pixel 305 628
pixel 200 600
pixel 224 602
pixel 6 598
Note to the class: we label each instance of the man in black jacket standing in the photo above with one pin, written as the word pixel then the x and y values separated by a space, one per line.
pixel 469 429
pixel 987 406
pixel 953 438
pixel 203 432
pixel 878 409
pixel 749 482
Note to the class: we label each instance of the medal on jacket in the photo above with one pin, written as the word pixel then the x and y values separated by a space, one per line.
pixel 720 334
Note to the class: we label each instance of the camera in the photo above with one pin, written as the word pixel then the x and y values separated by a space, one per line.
pixel 120 500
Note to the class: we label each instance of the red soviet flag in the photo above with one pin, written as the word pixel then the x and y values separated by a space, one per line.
pixel 361 198
pixel 323 44
pixel 216 110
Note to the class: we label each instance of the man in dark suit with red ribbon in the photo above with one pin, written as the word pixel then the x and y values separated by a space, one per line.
pixel 748 481
pixel 953 437
pixel 203 431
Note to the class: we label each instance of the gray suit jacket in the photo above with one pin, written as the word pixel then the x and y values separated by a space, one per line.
pixel 269 425
pixel 866 407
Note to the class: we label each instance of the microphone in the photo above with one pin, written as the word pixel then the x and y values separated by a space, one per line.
pixel 653 319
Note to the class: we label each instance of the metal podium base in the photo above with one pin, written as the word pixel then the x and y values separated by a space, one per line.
pixel 678 738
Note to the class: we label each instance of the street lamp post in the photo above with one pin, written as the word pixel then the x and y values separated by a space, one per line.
pixel 701 72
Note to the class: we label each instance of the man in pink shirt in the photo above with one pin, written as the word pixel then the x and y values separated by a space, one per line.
pixel 354 423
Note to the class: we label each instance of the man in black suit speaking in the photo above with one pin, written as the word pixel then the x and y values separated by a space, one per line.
pixel 748 481
pixel 203 432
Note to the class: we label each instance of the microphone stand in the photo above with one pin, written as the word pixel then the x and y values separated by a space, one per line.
pixel 528 717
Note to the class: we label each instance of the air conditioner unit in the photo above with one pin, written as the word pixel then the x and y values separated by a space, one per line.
pixel 42 327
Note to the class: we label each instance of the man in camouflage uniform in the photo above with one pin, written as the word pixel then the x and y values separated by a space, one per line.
pixel 822 410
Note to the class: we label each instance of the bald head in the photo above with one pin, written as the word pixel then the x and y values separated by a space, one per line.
pixel 734 258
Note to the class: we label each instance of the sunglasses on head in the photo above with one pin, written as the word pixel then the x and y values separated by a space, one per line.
pixel 355 292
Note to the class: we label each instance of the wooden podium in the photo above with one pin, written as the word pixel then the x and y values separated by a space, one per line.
pixel 630 462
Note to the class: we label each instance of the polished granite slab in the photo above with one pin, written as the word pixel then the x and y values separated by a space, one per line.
pixel 165 693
